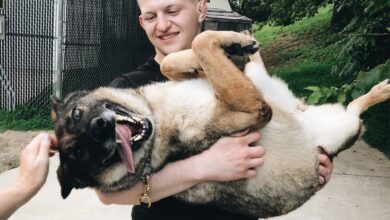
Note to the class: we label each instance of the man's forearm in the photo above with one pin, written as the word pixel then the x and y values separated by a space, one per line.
pixel 173 178
pixel 230 158
pixel 11 199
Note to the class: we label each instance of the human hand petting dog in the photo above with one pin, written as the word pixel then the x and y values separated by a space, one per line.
pixel 34 163
pixel 33 170
pixel 234 159
pixel 231 158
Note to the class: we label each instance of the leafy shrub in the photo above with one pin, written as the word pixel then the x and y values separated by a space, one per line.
pixel 346 93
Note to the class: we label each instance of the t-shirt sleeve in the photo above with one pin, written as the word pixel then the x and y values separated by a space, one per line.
pixel 123 82
pixel 145 74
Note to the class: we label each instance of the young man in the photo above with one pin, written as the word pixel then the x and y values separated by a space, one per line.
pixel 171 25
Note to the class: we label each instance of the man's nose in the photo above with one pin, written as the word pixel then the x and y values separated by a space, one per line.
pixel 163 23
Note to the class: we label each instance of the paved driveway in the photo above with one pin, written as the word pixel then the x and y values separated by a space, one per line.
pixel 359 190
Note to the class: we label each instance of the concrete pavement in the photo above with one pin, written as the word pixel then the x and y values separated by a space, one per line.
pixel 359 190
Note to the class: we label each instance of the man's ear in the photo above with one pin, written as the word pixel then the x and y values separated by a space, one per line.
pixel 202 9
pixel 65 180
pixel 141 21
pixel 57 107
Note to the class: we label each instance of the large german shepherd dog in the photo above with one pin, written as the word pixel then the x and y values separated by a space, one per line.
pixel 107 136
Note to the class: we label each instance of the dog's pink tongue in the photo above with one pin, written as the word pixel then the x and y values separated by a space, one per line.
pixel 124 134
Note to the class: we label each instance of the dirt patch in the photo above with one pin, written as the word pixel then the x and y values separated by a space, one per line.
pixel 11 145
pixel 274 55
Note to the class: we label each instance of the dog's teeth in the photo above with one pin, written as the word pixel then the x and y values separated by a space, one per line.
pixel 137 118
pixel 131 120
pixel 118 141
pixel 118 117
pixel 137 137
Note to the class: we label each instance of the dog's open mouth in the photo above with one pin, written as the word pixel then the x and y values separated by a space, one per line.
pixel 130 132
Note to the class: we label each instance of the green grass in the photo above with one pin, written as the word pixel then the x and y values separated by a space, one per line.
pixel 269 33
pixel 25 118
pixel 306 74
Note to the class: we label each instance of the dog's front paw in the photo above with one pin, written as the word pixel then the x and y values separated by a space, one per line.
pixel 240 49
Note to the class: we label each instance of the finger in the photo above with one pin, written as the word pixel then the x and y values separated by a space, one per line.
pixel 256 151
pixel 53 142
pixel 33 146
pixel 321 180
pixel 255 162
pixel 250 138
pixel 325 161
pixel 44 146
pixel 324 175
pixel 250 173
pixel 241 133
pixel 322 171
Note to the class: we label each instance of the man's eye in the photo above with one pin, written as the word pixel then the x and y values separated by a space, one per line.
pixel 149 17
pixel 77 114
pixel 173 12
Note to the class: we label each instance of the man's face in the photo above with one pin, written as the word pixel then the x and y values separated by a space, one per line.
pixel 171 25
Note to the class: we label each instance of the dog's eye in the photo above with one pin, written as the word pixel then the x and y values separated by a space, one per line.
pixel 77 113
pixel 108 105
pixel 78 153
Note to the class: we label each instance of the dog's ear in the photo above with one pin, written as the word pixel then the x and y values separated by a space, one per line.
pixel 57 108
pixel 65 180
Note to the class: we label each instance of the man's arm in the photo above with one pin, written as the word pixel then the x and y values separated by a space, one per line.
pixel 34 166
pixel 230 158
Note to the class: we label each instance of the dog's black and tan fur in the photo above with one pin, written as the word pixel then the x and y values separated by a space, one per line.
pixel 174 120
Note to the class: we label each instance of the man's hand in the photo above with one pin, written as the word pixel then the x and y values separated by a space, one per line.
pixel 230 158
pixel 325 169
pixel 34 166
pixel 34 163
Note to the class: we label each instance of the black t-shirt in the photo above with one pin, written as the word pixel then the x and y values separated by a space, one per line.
pixel 168 208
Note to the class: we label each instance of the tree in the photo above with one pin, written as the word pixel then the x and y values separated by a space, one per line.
pixel 363 23
pixel 366 42
pixel 279 12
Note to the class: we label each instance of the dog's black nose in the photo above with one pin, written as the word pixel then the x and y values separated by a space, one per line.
pixel 102 127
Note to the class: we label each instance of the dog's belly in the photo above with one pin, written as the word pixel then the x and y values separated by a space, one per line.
pixel 286 180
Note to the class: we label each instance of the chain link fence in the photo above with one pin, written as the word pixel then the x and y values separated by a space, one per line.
pixel 26 53
pixel 99 40
pixel 59 46
pixel 106 43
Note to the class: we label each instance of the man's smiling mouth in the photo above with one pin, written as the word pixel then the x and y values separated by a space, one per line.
pixel 168 36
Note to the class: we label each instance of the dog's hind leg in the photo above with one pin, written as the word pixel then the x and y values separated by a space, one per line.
pixel 235 92
pixel 343 126
pixel 379 93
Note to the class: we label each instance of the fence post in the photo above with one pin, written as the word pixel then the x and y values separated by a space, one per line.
pixel 58 47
